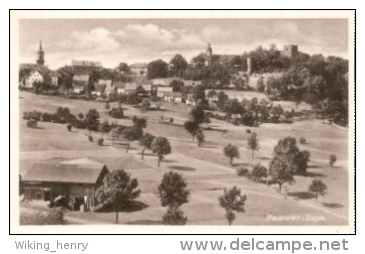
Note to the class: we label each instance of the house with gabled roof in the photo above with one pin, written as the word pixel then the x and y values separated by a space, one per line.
pixel 98 89
pixel 119 87
pixel 161 91
pixel 80 82
pixel 108 85
pixel 76 180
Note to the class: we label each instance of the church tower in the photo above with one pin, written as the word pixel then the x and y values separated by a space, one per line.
pixel 40 54
pixel 209 55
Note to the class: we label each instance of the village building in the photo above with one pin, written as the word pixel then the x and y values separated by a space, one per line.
pixel 99 90
pixel 120 87
pixel 37 72
pixel 161 91
pixel 76 180
pixel 109 88
pixel 80 82
pixel 173 97
pixel 130 87
pixel 139 69
pixel 85 67
pixel 190 100
pixel 55 78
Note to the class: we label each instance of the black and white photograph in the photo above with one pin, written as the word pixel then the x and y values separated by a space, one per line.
pixel 183 119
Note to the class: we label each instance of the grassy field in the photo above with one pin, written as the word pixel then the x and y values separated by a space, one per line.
pixel 206 169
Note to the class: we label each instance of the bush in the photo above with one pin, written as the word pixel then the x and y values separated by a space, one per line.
pixel 54 217
pixel 248 131
pixel 107 106
pixel 333 159
pixel 47 117
pixel 171 120
pixel 32 123
pixel 242 171
pixel 258 173
pixel 69 127
pixel 90 138
pixel 116 113
pixel 36 115
pixel 100 141
pixel 302 140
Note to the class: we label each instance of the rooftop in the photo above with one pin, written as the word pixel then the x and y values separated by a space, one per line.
pixel 76 171
pixel 86 63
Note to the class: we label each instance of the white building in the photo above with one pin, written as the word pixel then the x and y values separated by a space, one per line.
pixel 173 97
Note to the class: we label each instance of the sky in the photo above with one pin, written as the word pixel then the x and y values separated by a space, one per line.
pixel 112 41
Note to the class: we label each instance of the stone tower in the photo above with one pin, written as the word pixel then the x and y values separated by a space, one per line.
pixel 40 54
pixel 209 55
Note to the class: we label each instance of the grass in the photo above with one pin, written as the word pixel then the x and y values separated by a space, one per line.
pixel 205 168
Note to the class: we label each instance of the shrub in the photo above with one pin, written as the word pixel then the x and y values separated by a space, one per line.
pixel 107 106
pixel 248 131
pixel 32 123
pixel 242 171
pixel 69 127
pixel 116 113
pixel 333 159
pixel 80 115
pixel 171 120
pixel 100 141
pixel 36 115
pixel 47 117
pixel 258 173
pixel 302 140
pixel 90 138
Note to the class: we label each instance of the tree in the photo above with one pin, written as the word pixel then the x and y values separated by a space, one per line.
pixel 231 151
pixel 318 187
pixel 161 146
pixel 191 127
pixel 146 104
pixel 123 67
pixel 253 143
pixel 199 92
pixel 288 151
pixel 280 172
pixel 176 85
pixel 333 159
pixel 115 133
pixel 200 137
pixel 24 73
pixel 232 106
pixel 198 114
pixel 179 65
pixel 104 127
pixel 211 93
pixel 172 190
pixel 260 85
pixel 92 120
pixel 174 216
pixel 157 69
pixel 139 122
pixel 232 201
pixel 258 172
pixel 146 142
pixel 118 190
pixel 222 98
pixel 131 134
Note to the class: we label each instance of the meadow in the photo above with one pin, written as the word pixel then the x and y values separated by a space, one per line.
pixel 205 168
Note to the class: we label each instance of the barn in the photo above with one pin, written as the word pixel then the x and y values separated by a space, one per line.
pixel 77 180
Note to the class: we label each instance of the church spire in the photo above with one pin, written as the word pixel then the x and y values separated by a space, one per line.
pixel 40 59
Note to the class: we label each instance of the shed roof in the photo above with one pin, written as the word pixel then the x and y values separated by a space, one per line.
pixel 77 171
